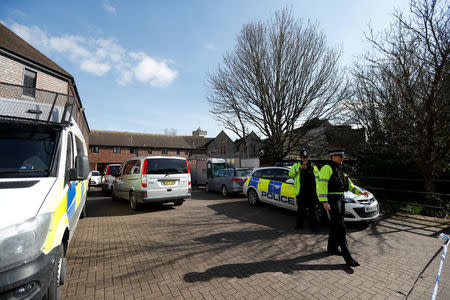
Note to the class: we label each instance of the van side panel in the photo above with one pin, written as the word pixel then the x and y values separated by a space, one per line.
pixel 59 219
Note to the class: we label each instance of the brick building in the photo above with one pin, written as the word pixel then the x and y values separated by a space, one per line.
pixel 108 147
pixel 21 64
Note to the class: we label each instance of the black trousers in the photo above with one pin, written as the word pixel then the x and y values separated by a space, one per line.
pixel 306 204
pixel 338 231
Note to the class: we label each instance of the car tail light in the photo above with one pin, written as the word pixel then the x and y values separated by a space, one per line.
pixel 187 165
pixel 144 174
pixel 107 171
pixel 236 180
pixel 245 180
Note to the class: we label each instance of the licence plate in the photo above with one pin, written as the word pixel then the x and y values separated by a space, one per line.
pixel 168 182
pixel 371 208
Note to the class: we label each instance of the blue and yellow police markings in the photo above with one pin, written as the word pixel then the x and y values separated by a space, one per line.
pixel 274 191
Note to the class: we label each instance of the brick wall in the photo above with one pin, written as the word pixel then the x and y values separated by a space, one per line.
pixel 11 71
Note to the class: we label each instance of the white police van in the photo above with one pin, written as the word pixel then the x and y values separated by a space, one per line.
pixel 43 187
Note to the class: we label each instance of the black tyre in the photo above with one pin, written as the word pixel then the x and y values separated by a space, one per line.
pixel 133 201
pixel 83 211
pixel 178 202
pixel 224 191
pixel 113 195
pixel 54 289
pixel 252 197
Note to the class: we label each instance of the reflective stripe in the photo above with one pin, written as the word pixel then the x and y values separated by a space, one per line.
pixel 323 195
pixel 324 180
pixel 336 193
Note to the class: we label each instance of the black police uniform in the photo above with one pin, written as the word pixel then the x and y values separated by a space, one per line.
pixel 307 199
pixel 338 183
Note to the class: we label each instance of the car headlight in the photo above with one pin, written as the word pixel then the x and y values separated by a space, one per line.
pixel 23 242
pixel 349 200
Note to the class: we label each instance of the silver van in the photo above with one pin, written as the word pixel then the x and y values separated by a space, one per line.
pixel 153 179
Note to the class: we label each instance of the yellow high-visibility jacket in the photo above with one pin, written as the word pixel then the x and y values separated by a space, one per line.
pixel 325 174
pixel 294 172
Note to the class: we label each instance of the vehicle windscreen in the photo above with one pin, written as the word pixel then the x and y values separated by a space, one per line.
pixel 95 173
pixel 26 152
pixel 166 166
pixel 113 170
pixel 243 173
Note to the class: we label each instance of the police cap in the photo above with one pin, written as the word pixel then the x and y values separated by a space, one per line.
pixel 339 152
pixel 304 153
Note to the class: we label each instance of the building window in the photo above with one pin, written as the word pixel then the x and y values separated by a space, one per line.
pixel 117 150
pixel 94 149
pixel 164 151
pixel 222 148
pixel 133 150
pixel 150 150
pixel 29 83
pixel 186 152
pixel 178 151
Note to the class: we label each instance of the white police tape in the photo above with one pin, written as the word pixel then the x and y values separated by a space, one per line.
pixel 445 238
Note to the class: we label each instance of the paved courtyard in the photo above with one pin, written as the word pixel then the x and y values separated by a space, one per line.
pixel 222 248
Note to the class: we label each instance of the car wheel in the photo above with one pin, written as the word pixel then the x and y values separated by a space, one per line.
pixel 178 202
pixel 206 188
pixel 113 194
pixel 133 202
pixel 224 191
pixel 252 197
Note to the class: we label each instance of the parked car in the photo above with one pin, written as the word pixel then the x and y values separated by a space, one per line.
pixel 227 181
pixel 108 177
pixel 95 179
pixel 273 185
pixel 153 179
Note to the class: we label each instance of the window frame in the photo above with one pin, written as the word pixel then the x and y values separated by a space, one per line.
pixel 116 150
pixel 164 151
pixel 29 91
pixel 95 149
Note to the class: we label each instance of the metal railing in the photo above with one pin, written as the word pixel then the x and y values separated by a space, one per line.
pixel 19 102
pixel 395 190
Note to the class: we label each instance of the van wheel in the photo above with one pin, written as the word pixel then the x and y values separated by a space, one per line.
pixel 206 188
pixel 252 197
pixel 133 202
pixel 178 202
pixel 54 289
pixel 224 191
pixel 83 212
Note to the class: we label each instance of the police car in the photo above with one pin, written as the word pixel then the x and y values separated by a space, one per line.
pixel 273 185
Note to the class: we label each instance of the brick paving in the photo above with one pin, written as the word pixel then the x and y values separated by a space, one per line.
pixel 222 248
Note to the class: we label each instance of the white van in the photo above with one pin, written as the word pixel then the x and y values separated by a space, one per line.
pixel 43 187
pixel 153 179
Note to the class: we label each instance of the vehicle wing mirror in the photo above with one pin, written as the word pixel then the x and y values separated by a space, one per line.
pixel 290 181
pixel 81 170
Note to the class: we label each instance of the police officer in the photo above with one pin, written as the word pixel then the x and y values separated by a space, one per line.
pixel 333 183
pixel 306 181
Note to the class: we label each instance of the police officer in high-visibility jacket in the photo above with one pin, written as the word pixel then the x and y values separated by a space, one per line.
pixel 333 182
pixel 306 190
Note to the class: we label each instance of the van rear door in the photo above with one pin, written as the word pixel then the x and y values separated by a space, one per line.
pixel 167 178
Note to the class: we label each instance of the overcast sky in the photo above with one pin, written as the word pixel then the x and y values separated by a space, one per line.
pixel 142 65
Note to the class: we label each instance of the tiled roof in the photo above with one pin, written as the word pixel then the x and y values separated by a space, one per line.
pixel 12 43
pixel 135 139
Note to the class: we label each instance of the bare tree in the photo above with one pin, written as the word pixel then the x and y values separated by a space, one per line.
pixel 280 74
pixel 402 86
pixel 171 131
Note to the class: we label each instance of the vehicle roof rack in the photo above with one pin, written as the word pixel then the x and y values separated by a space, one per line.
pixel 21 103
